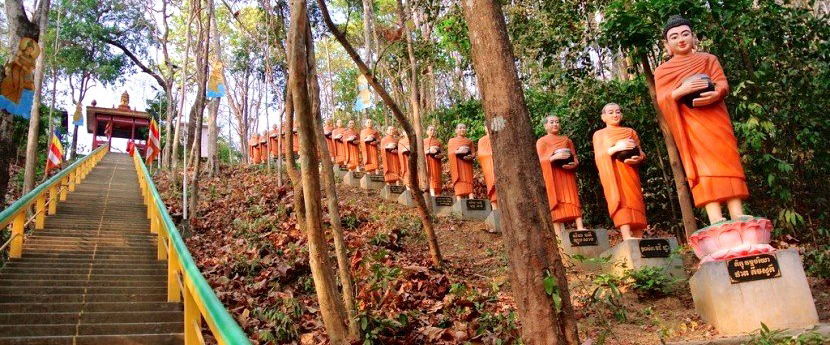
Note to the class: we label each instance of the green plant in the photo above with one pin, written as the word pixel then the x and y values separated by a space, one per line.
pixel 552 289
pixel 817 261
pixel 607 294
pixel 765 336
pixel 650 282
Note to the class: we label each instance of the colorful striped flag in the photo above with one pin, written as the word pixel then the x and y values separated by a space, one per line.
pixel 54 157
pixel 153 141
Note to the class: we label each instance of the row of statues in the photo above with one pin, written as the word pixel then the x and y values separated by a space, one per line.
pixel 690 91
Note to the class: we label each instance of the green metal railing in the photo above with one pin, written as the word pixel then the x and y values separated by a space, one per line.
pixel 183 277
pixel 45 197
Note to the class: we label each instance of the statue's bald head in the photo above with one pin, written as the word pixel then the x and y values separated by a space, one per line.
pixel 552 124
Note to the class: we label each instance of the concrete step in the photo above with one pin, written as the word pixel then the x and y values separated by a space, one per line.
pixel 46 254
pixel 70 329
pixel 76 298
pixel 90 318
pixel 84 270
pixel 88 307
pixel 33 283
pixel 131 339
pixel 92 263
pixel 52 290
pixel 160 277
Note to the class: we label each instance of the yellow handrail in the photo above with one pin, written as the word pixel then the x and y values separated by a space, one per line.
pixel 45 197
pixel 184 280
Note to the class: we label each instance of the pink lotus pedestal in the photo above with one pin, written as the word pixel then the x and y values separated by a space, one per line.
pixel 742 281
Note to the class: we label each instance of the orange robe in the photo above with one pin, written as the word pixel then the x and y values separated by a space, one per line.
pixel 461 171
pixel 560 184
pixel 274 144
pixel 339 146
pixel 485 159
pixel 704 135
pixel 327 132
pixel 620 181
pixel 369 150
pixel 263 148
pixel 253 144
pixel 391 165
pixel 433 165
pixel 352 149
pixel 403 159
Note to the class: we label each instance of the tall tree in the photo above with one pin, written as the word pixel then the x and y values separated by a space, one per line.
pixel 34 119
pixel 417 192
pixel 198 108
pixel 331 305
pixel 537 275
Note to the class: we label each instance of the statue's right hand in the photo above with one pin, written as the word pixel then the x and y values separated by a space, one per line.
pixel 691 86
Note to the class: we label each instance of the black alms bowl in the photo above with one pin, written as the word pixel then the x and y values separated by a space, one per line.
pixel 626 154
pixel 687 99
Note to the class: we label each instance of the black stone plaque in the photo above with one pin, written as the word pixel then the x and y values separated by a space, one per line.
pixel 476 205
pixel 444 201
pixel 583 238
pixel 655 248
pixel 357 174
pixel 752 268
pixel 376 178
pixel 397 189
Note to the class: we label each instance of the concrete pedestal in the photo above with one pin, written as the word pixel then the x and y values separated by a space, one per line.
pixel 339 172
pixel 474 209
pixel 373 182
pixel 737 295
pixel 587 243
pixel 392 192
pixel 493 221
pixel 633 254
pixel 406 199
pixel 442 205
pixel 352 178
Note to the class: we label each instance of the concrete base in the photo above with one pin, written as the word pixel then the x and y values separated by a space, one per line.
pixel 493 221
pixel 392 192
pixel 406 199
pixel 734 307
pixel 474 209
pixel 373 182
pixel 339 172
pixel 586 243
pixel 632 254
pixel 442 205
pixel 352 178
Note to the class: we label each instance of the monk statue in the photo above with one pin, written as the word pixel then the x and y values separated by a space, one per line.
pixel 350 138
pixel 617 152
pixel 690 91
pixel 485 159
pixel 433 152
pixel 17 87
pixel 391 165
pixel 557 155
pixel 263 146
pixel 369 141
pixel 403 157
pixel 340 147
pixel 461 153
pixel 253 149
pixel 327 132
pixel 274 135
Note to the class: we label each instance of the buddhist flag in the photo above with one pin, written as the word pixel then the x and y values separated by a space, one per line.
pixel 54 157
pixel 153 142
pixel 108 129
pixel 364 96
pixel 77 117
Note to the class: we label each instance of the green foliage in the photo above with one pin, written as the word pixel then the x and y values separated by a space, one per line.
pixel 817 261
pixel 468 112
pixel 284 317
pixel 651 282
pixel 765 336
pixel 607 295
pixel 552 289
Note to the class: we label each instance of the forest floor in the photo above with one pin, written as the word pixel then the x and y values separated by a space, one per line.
pixel 247 245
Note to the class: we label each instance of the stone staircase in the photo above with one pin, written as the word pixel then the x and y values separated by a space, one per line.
pixel 91 276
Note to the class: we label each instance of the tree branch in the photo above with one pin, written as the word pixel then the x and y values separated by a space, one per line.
pixel 136 61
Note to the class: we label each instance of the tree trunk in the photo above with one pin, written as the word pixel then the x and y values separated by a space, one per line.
pixel 199 104
pixel 213 106
pixel 174 148
pixel 368 12
pixel 417 193
pixel 684 197
pixel 414 97
pixel 330 188
pixel 331 305
pixel 34 120
pixel 526 223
